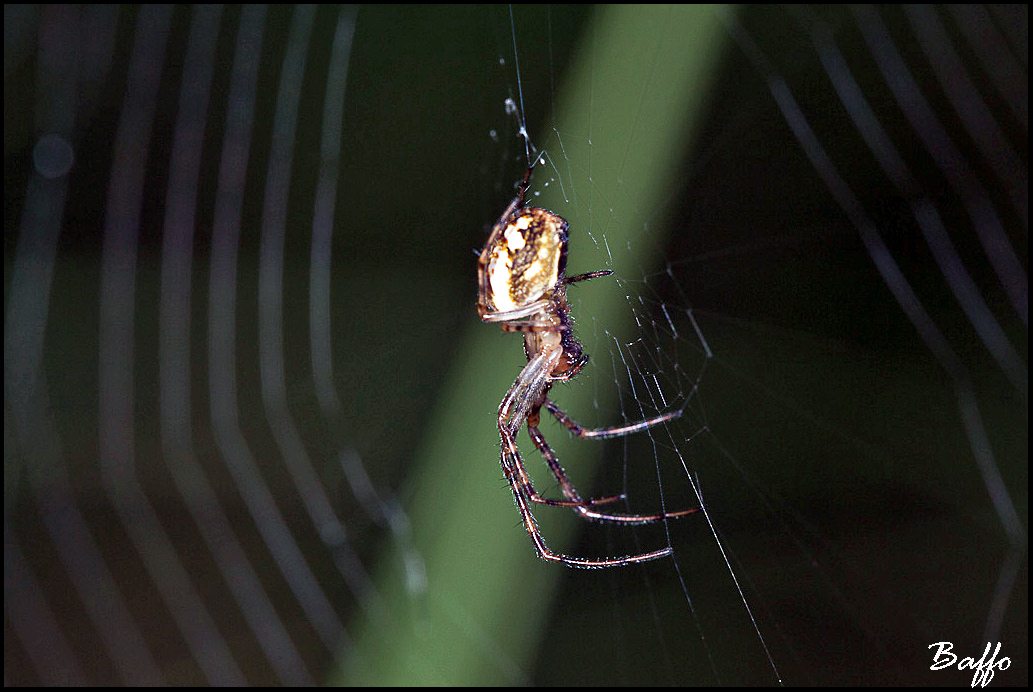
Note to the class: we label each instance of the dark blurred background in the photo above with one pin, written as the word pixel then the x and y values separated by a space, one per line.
pixel 193 494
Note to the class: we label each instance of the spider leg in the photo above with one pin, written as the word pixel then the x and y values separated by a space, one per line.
pixel 538 327
pixel 515 320
pixel 522 403
pixel 523 479
pixel 582 507
pixel 508 466
pixel 604 433
pixel 587 275
pixel 528 310
pixel 516 409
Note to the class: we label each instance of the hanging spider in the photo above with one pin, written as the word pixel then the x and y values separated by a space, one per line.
pixel 523 287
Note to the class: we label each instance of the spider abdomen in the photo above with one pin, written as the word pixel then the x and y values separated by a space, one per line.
pixel 525 258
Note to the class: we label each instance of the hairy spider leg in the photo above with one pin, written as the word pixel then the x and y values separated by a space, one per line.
pixel 606 433
pixel 581 506
pixel 543 550
pixel 602 434
pixel 515 410
pixel 588 275
pixel 526 311
pixel 532 385
pixel 523 479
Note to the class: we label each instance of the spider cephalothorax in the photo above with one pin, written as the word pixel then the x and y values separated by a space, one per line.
pixel 523 287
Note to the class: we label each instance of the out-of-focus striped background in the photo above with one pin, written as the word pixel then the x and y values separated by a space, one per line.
pixel 238 286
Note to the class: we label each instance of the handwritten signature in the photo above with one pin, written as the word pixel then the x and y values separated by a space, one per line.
pixel 984 667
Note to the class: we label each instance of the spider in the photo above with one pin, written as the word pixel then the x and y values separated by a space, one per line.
pixel 523 287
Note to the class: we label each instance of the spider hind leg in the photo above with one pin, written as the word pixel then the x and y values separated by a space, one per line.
pixel 539 542
pixel 583 507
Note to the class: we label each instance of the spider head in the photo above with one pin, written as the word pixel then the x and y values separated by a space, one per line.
pixel 574 357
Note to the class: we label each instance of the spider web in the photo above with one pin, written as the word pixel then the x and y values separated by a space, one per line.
pixel 862 290
pixel 233 296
